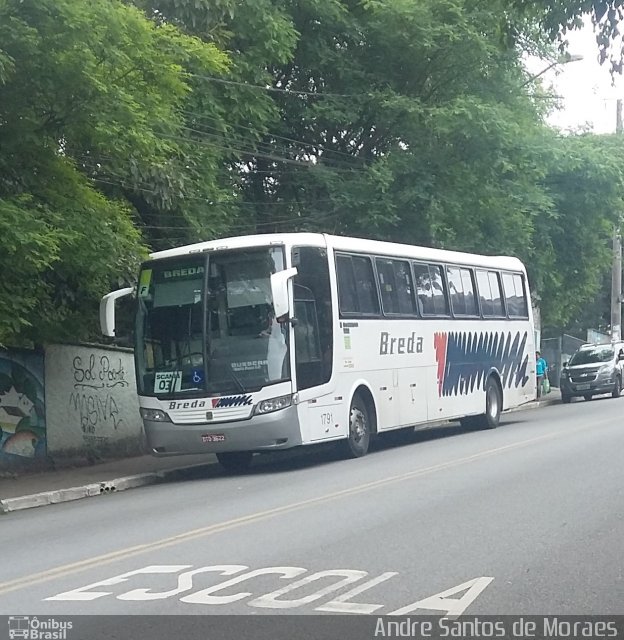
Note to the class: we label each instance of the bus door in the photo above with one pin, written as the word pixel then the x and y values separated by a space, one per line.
pixel 319 408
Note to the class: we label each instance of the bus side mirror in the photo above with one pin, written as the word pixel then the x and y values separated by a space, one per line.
pixel 279 291
pixel 107 310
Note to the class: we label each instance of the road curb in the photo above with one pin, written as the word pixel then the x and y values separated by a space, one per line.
pixel 91 490
pixel 535 404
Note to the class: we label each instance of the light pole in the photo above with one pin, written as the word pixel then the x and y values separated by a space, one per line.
pixel 616 287
pixel 616 268
pixel 565 59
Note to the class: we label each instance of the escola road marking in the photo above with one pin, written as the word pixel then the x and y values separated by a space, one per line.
pixel 129 552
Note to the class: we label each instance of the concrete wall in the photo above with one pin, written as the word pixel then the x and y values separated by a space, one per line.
pixel 91 403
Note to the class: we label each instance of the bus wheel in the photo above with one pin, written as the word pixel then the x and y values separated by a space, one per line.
pixel 235 461
pixel 493 404
pixel 356 445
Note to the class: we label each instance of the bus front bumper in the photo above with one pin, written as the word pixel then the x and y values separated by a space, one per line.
pixel 268 432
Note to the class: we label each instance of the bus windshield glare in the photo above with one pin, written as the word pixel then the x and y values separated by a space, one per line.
pixel 205 324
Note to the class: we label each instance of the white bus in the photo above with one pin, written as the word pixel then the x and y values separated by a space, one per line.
pixel 267 342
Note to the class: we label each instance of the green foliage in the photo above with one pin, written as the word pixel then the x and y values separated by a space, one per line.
pixel 555 18
pixel 573 245
pixel 90 99
pixel 156 123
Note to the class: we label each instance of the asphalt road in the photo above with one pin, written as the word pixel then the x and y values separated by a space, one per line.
pixel 526 519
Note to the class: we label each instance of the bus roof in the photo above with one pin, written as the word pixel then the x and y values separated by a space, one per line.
pixel 340 243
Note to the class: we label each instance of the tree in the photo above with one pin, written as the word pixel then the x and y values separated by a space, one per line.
pixel 555 18
pixel 89 95
pixel 226 117
pixel 573 243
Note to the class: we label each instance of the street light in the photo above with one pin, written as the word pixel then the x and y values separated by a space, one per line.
pixel 564 59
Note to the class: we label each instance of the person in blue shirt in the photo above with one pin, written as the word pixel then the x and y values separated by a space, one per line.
pixel 541 370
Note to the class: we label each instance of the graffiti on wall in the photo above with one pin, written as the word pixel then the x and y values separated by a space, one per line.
pixel 22 405
pixel 92 401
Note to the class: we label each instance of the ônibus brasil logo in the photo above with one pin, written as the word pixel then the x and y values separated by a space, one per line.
pixel 33 628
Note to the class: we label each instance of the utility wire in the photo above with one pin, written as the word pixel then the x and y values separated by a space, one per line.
pixel 255 153
pixel 268 133
pixel 294 92
pixel 210 201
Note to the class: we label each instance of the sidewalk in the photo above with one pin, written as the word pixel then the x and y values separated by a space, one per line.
pixel 35 489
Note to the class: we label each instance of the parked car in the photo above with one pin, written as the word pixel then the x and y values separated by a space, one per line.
pixel 593 370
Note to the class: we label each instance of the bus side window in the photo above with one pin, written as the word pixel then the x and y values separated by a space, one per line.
pixel 515 295
pixel 357 289
pixel 395 285
pixel 498 310
pixel 366 286
pixel 490 294
pixel 461 288
pixel 431 290
pixel 347 292
pixel 424 292
pixel 485 293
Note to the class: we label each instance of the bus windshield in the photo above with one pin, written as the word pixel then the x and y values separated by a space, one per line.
pixel 205 324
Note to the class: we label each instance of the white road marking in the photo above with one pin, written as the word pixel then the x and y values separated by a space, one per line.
pixel 129 552
pixel 185 583
pixel 274 600
pixel 205 595
pixel 442 602
pixel 270 600
pixel 341 604
pixel 83 594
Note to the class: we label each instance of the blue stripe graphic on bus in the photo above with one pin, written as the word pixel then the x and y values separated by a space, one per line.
pixel 465 358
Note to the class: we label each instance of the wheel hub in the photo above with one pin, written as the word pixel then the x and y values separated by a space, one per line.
pixel 493 402
pixel 358 424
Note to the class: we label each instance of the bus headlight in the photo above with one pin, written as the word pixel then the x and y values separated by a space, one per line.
pixel 274 404
pixel 154 415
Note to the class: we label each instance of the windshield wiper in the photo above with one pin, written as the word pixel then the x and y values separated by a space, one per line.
pixel 239 384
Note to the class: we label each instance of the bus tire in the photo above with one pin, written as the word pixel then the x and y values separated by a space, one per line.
pixel 235 461
pixel 360 429
pixel 493 404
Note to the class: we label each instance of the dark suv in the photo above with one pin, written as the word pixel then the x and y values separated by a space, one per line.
pixel 592 370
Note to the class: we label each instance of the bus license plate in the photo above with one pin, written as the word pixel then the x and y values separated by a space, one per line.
pixel 213 437
pixel 582 387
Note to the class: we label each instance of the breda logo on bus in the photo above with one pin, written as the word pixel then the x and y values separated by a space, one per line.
pixel 183 273
pixel 217 403
pixel 389 345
